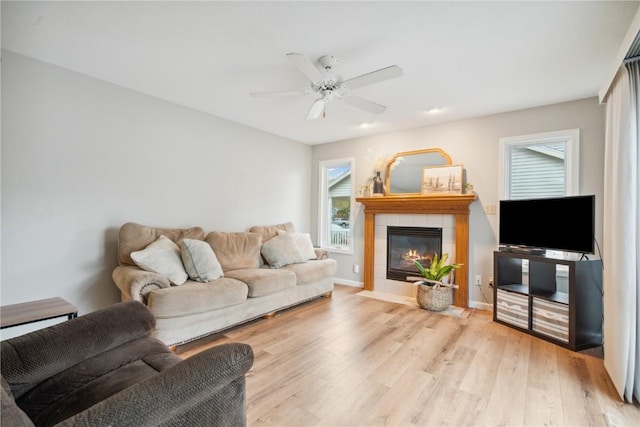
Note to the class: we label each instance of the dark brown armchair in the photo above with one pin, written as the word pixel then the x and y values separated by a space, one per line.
pixel 105 369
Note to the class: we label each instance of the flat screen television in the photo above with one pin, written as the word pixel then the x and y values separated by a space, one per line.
pixel 561 223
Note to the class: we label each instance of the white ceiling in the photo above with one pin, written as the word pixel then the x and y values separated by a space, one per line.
pixel 470 58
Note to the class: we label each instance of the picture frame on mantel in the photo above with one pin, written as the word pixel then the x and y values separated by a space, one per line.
pixel 446 179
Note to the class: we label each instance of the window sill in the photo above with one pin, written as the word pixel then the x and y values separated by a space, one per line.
pixel 343 251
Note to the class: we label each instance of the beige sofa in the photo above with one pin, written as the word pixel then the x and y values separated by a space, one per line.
pixel 263 270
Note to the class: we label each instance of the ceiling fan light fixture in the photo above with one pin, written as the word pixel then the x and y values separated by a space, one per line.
pixel 327 61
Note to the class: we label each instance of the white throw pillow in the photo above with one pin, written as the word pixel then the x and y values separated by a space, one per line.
pixel 303 243
pixel 281 251
pixel 162 257
pixel 199 260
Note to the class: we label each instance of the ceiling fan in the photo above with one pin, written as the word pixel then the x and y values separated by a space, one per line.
pixel 328 85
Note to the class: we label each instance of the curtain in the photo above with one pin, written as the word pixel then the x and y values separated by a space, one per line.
pixel 621 226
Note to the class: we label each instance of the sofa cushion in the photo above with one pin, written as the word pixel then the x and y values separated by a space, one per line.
pixel 303 243
pixel 281 251
pixel 268 232
pixel 264 281
pixel 95 379
pixel 197 297
pixel 314 270
pixel 236 250
pixel 162 257
pixel 134 237
pixel 200 262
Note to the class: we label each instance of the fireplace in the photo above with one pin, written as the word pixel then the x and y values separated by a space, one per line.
pixel 449 211
pixel 405 245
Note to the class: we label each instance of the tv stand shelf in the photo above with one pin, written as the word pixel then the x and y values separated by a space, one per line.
pixel 558 300
pixel 519 288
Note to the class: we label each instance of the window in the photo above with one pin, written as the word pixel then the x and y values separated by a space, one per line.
pixel 336 200
pixel 540 165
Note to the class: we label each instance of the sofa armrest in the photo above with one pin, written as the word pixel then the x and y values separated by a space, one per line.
pixel 29 359
pixel 135 283
pixel 206 389
pixel 321 253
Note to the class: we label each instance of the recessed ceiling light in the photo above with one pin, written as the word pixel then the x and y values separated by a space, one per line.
pixel 433 110
pixel 365 125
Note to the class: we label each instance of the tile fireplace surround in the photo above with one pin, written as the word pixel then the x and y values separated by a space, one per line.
pixel 450 212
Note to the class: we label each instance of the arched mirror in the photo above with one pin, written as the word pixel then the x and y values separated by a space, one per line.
pixel 404 170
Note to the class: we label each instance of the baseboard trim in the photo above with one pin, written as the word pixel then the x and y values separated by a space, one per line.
pixel 481 305
pixel 348 282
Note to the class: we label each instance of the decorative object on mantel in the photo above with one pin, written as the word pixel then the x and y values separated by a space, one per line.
pixel 365 189
pixel 468 188
pixel 379 163
pixel 378 186
pixel 408 168
pixel 433 293
pixel 442 179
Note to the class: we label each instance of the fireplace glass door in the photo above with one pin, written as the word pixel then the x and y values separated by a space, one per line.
pixel 405 245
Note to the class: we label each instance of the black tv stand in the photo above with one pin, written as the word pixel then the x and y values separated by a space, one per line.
pixel 558 300
pixel 523 250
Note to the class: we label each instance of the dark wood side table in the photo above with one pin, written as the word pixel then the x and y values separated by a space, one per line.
pixel 35 311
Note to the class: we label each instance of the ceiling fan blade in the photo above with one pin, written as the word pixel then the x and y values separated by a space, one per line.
pixel 280 93
pixel 387 73
pixel 316 109
pixel 364 104
pixel 306 66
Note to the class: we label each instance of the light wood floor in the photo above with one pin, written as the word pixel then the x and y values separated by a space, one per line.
pixel 351 360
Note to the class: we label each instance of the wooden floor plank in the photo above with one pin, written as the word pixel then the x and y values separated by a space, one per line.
pixel 543 401
pixel 354 361
pixel 404 356
pixel 511 373
pixel 437 409
pixel 579 402
pixel 393 406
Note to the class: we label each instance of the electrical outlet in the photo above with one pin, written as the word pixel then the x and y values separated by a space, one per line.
pixel 356 268
pixel 490 281
pixel 490 209
pixel 478 280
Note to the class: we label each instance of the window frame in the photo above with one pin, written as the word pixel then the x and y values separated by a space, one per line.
pixel 571 139
pixel 324 214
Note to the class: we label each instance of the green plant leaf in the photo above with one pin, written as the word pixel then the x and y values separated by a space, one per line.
pixel 443 259
pixel 420 267
pixel 437 270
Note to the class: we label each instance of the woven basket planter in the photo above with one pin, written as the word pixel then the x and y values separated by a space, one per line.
pixel 434 299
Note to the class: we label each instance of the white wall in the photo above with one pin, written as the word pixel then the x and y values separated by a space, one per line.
pixel 81 156
pixel 474 143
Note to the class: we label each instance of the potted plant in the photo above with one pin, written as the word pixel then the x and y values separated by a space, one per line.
pixel 433 294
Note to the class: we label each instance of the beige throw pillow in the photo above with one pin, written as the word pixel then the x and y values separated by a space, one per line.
pixel 281 251
pixel 199 260
pixel 237 250
pixel 303 243
pixel 268 232
pixel 162 257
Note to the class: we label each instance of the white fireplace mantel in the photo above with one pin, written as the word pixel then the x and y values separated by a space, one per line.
pixel 448 204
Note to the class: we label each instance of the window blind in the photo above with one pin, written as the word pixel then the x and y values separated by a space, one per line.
pixel 537 171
